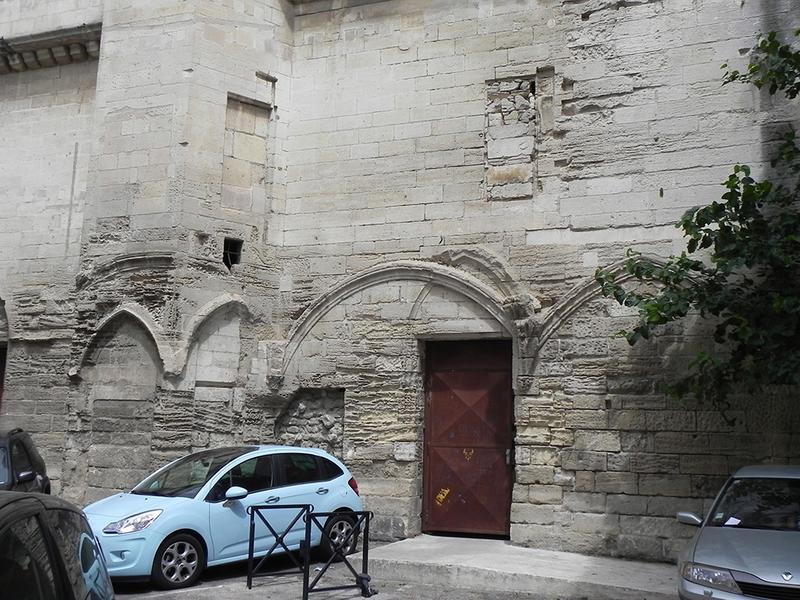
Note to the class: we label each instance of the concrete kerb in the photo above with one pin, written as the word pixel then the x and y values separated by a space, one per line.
pixel 497 566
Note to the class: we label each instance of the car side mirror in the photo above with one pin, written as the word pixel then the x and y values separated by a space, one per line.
pixel 689 518
pixel 26 476
pixel 236 493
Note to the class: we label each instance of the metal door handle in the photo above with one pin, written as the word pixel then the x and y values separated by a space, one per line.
pixel 321 491
pixel 508 456
pixel 272 499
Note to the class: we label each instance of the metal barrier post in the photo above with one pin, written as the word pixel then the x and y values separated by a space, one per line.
pixel 280 541
pixel 365 561
pixel 307 558
pixel 250 550
pixel 361 579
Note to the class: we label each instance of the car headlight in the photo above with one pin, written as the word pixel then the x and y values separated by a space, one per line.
pixel 132 523
pixel 714 577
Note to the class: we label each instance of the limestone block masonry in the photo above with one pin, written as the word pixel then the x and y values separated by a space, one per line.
pixel 376 175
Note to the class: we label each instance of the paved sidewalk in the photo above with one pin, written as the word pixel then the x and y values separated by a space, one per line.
pixel 495 565
pixel 447 568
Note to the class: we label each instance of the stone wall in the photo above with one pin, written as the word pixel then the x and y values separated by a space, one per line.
pixel 314 418
pixel 45 139
pixel 401 153
pixel 397 171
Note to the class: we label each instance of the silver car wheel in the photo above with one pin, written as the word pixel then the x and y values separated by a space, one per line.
pixel 339 533
pixel 179 561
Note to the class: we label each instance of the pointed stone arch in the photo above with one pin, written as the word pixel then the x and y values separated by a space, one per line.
pixel 110 438
pixel 145 319
pixel 433 274
pixel 199 319
pixel 583 292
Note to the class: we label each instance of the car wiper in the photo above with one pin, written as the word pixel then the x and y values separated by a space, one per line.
pixel 146 493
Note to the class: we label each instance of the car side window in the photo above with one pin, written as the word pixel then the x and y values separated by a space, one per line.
pixel 81 555
pixel 20 461
pixel 254 475
pixel 299 468
pixel 328 470
pixel 25 565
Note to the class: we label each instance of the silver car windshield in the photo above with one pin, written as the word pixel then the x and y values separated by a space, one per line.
pixel 758 503
pixel 186 476
pixel 5 473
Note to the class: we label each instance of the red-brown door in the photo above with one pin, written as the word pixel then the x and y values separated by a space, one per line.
pixel 468 438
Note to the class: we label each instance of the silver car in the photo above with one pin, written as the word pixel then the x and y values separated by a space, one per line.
pixel 748 546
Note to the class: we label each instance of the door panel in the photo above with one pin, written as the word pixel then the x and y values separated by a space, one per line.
pixel 229 522
pixel 468 438
pixel 301 485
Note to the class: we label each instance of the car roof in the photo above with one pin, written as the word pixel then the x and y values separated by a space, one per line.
pixel 48 501
pixel 308 450
pixel 769 471
pixel 271 448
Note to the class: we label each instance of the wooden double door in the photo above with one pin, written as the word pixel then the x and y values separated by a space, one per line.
pixel 469 438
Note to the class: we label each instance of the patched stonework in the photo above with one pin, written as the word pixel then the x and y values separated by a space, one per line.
pixel 510 138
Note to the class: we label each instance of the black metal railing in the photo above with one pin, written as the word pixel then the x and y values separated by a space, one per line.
pixel 302 564
pixel 254 570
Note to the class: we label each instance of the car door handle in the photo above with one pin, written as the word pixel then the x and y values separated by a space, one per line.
pixel 272 499
pixel 321 491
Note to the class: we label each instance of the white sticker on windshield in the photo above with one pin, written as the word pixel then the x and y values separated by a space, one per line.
pixel 732 521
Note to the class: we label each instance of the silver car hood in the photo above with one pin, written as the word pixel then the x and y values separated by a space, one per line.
pixel 763 553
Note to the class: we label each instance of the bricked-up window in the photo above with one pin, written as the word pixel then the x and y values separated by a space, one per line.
pixel 244 159
pixel 232 252
pixel 509 139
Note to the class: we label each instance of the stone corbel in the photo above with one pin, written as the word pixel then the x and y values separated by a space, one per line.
pixel 51 48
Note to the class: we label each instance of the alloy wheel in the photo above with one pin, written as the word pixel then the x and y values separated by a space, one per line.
pixel 179 561
pixel 340 533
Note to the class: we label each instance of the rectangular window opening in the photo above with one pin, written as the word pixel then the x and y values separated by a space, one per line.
pixel 232 252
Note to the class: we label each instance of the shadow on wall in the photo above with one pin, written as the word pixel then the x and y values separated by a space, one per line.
pixel 623 457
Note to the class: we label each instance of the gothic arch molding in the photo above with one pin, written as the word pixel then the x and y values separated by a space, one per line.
pixel 579 295
pixel 409 270
pixel 199 319
pixel 145 320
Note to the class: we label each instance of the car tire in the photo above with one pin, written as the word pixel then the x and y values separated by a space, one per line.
pixel 337 529
pixel 178 562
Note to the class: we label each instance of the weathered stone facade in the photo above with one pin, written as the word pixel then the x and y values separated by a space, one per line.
pixel 396 171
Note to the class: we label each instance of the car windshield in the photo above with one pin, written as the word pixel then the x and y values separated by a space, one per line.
pixel 759 503
pixel 4 471
pixel 186 476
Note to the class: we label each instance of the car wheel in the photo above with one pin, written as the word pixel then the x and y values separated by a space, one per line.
pixel 337 530
pixel 178 562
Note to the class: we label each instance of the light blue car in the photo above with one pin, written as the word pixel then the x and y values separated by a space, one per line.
pixel 192 513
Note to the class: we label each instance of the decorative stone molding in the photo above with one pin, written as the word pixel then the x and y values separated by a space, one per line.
pixel 124 263
pixel 193 326
pixel 145 319
pixel 305 7
pixel 50 49
pixel 408 270
pixel 582 293
pixel 173 353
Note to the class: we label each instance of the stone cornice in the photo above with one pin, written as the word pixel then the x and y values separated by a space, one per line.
pixel 306 7
pixel 49 49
